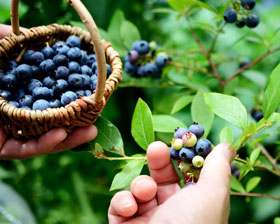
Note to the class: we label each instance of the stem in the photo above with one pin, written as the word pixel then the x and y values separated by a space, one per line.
pixel 251 64
pixel 216 37
pixel 123 158
pixel 277 156
pixel 190 68
pixel 255 195
pixel 143 85
pixel 269 157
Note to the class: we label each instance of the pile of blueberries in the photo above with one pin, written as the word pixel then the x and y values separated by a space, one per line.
pixel 241 16
pixel 189 149
pixel 51 77
pixel 145 59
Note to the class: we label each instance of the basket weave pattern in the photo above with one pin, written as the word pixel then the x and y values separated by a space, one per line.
pixel 81 112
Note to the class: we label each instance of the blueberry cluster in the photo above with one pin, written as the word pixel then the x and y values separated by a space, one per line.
pixel 190 149
pixel 51 77
pixel 242 16
pixel 145 59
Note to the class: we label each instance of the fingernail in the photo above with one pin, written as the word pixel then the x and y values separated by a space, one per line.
pixel 229 151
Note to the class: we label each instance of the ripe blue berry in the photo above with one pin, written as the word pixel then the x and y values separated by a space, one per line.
pixel 130 68
pixel 73 67
pixel 19 93
pixel 24 72
pixel 80 93
pixel 10 65
pixel 26 55
pixel 48 52
pixel 73 41
pixel 244 63
pixel 42 93
pixel 133 56
pixel 14 103
pixel 233 168
pixel 230 16
pixel 40 105
pixel 252 21
pixel 86 70
pixel 196 129
pixel 60 86
pixel 62 49
pixel 257 115
pixel 55 103
pixel 74 54
pixel 240 23
pixel 60 59
pixel 26 107
pixel 91 59
pixel 186 154
pixel 151 69
pixel 83 59
pixel 33 84
pixel 75 81
pixel 179 132
pixel 47 67
pixel 88 92
pixel 26 100
pixel 141 71
pixel 93 83
pixel 10 81
pixel 236 174
pixel 189 184
pixel 61 72
pixel 203 147
pixel 141 46
pixel 248 4
pixel 36 58
pixel 68 97
pixel 48 82
pixel 58 43
pixel 35 70
pixel 174 154
pixel 6 94
pixel 108 70
pixel 161 61
pixel 86 81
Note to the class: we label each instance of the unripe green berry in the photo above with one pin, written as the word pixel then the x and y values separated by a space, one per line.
pixel 189 139
pixel 153 45
pixel 177 143
pixel 198 161
pixel 163 54
pixel 184 167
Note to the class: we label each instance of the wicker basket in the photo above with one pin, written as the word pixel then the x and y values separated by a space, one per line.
pixel 22 123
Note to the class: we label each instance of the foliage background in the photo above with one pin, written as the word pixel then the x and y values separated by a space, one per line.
pixel 73 187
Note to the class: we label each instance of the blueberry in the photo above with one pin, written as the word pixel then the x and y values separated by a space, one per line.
pixel 230 16
pixel 1 79
pixel 196 129
pixel 94 67
pixel 42 93
pixel 10 82
pixel 73 41
pixel 10 65
pixel 179 132
pixel 130 68
pixel 80 93
pixel 58 43
pixel 26 107
pixel 55 103
pixel 86 70
pixel 24 72
pixel 6 94
pixel 47 67
pixel 48 52
pixel 48 82
pixel 244 63
pixel 74 54
pixel 236 174
pixel 26 100
pixel 40 105
pixel 240 23
pixel 161 61
pixel 62 49
pixel 83 59
pixel 74 67
pixel 88 92
pixel 36 58
pixel 33 84
pixel 60 86
pixel 252 21
pixel 141 71
pixel 174 154
pixel 248 4
pixel 61 72
pixel 186 154
pixel 91 59
pixel 20 93
pixel 93 84
pixel 75 81
pixel 133 56
pixel 189 184
pixel 68 97
pixel 233 168
pixel 60 59
pixel 26 56
pixel 108 70
pixel 141 46
pixel 35 70
pixel 151 69
pixel 257 115
pixel 86 81
pixel 14 103
pixel 203 147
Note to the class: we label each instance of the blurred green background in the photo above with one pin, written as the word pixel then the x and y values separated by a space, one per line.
pixel 73 187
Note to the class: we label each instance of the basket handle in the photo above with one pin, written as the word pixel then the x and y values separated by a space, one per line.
pixel 95 38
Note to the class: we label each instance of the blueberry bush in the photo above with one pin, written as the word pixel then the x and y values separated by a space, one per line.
pixel 212 62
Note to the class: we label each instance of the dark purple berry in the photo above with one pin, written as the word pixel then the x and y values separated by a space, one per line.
pixel 230 16
pixel 179 132
pixel 240 23
pixel 248 4
pixel 133 56
pixel 252 21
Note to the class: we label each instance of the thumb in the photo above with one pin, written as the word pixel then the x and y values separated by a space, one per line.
pixel 216 169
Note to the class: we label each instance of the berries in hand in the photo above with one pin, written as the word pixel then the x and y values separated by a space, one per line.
pixel 203 147
pixel 196 129
pixel 189 184
pixel 230 16
pixel 252 21
pixel 184 167
pixel 248 4
pixel 177 143
pixel 189 139
pixel 186 154
pixel 179 132
pixel 174 154
pixel 198 161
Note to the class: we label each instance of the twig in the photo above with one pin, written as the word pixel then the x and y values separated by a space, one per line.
pixel 122 158
pixel 142 85
pixel 190 68
pixel 277 156
pixel 216 37
pixel 255 195
pixel 251 64
pixel 269 157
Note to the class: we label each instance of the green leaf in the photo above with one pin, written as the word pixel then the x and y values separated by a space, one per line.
pixel 271 95
pixel 236 185
pixel 275 117
pixel 78 24
pixel 180 103
pixel 142 128
pixel 109 137
pixel 163 10
pixel 116 23
pixel 256 77
pixel 131 170
pixel 252 183
pixel 226 135
pixel 129 33
pixel 201 113
pixel 166 123
pixel 201 4
pixel 178 5
pixel 98 151
pixel 229 108
pixel 254 156
pixel 277 220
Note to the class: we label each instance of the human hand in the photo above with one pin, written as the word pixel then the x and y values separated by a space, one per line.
pixel 5 30
pixel 159 198
pixel 55 140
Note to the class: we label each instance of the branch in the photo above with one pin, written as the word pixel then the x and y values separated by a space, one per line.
pixel 255 195
pixel 143 85
pixel 216 37
pixel 277 156
pixel 190 68
pixel 251 64
pixel 269 157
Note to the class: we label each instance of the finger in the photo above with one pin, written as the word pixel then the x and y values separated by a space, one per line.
pixel 11 149
pixel 77 137
pixel 122 206
pixel 162 171
pixel 5 30
pixel 3 138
